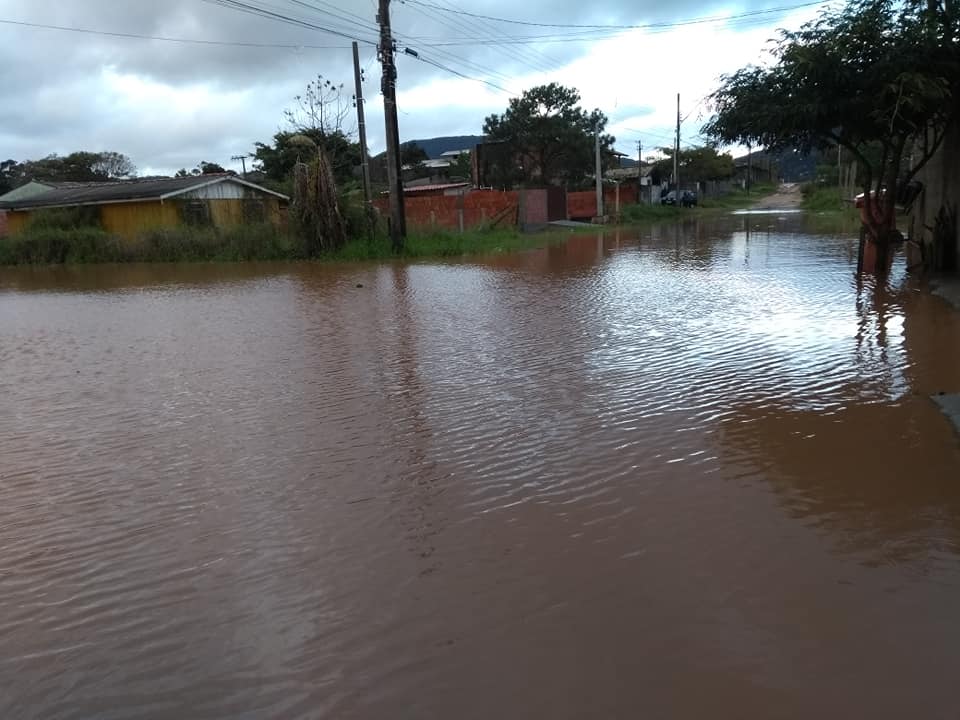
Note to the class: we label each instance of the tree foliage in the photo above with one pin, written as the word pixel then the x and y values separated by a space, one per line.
pixel 412 154
pixel 278 160
pixel 879 78
pixel 698 164
pixel 545 136
pixel 79 166
pixel 319 114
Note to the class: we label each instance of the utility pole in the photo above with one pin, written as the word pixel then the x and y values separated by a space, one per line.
pixel 398 221
pixel 596 129
pixel 361 124
pixel 676 155
pixel 639 167
pixel 243 160
pixel 749 166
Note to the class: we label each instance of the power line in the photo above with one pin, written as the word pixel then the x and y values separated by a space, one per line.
pixel 462 75
pixel 269 14
pixel 488 30
pixel 191 41
pixel 619 27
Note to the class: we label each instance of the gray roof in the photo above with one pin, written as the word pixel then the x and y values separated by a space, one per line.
pixel 31 189
pixel 102 193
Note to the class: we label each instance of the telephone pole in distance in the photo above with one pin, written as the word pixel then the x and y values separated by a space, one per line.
pixel 398 222
pixel 361 124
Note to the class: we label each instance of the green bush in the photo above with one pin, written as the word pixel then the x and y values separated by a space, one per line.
pixel 38 245
pixel 820 198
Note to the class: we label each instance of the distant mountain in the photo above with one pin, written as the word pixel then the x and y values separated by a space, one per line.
pixel 435 147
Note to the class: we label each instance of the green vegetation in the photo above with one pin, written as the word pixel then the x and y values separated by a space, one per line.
pixel 39 245
pixel 738 199
pixel 824 198
pixel 879 79
pixel 642 213
pixel 544 136
pixel 447 243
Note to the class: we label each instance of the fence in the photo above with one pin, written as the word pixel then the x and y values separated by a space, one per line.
pixel 511 208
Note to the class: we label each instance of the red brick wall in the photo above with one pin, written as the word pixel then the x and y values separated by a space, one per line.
pixel 441 211
pixel 584 204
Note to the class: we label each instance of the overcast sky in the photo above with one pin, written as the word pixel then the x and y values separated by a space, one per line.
pixel 169 105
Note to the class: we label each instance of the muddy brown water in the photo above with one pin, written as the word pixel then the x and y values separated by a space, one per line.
pixel 683 472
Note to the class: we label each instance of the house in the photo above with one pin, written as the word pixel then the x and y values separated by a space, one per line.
pixel 933 215
pixel 127 208
pixel 630 174
pixel 31 189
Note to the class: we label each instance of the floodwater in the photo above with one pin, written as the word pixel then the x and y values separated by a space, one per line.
pixel 683 472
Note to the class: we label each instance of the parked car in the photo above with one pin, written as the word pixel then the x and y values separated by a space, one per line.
pixel 688 198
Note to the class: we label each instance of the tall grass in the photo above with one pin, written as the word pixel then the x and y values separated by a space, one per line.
pixel 445 243
pixel 823 198
pixel 40 244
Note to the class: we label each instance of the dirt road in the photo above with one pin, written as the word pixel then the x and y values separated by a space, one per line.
pixel 787 197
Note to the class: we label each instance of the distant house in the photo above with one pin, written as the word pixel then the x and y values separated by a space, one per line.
pixel 31 189
pixel 127 208
pixel 446 189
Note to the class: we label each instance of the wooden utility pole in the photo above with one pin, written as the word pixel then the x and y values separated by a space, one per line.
pixel 639 167
pixel 361 124
pixel 676 156
pixel 243 160
pixel 596 131
pixel 398 221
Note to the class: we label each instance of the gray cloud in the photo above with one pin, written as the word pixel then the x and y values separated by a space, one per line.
pixel 58 96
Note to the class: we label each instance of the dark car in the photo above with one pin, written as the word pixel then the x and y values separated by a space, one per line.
pixel 687 198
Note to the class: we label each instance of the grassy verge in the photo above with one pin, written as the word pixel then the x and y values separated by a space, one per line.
pixel 822 199
pixel 634 214
pixel 447 243
pixel 56 245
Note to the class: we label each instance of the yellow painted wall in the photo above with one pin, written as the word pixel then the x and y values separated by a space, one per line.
pixel 16 221
pixel 127 220
pixel 226 213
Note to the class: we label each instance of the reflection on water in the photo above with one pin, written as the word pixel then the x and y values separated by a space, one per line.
pixel 672 470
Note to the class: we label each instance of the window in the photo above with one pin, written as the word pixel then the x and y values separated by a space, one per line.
pixel 254 211
pixel 196 212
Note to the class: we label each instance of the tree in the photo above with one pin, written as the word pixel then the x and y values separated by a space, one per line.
pixel 9 172
pixel 79 166
pixel 546 136
pixel 114 165
pixel 322 106
pixel 698 164
pixel 209 168
pixel 319 114
pixel 412 154
pixel 278 160
pixel 876 77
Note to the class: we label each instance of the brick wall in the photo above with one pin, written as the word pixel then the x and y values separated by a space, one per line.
pixel 479 207
pixel 584 204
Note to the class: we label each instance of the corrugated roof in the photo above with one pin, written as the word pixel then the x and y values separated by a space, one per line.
pixel 97 193
pixel 434 188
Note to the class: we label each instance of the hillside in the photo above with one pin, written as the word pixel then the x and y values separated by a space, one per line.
pixel 435 147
